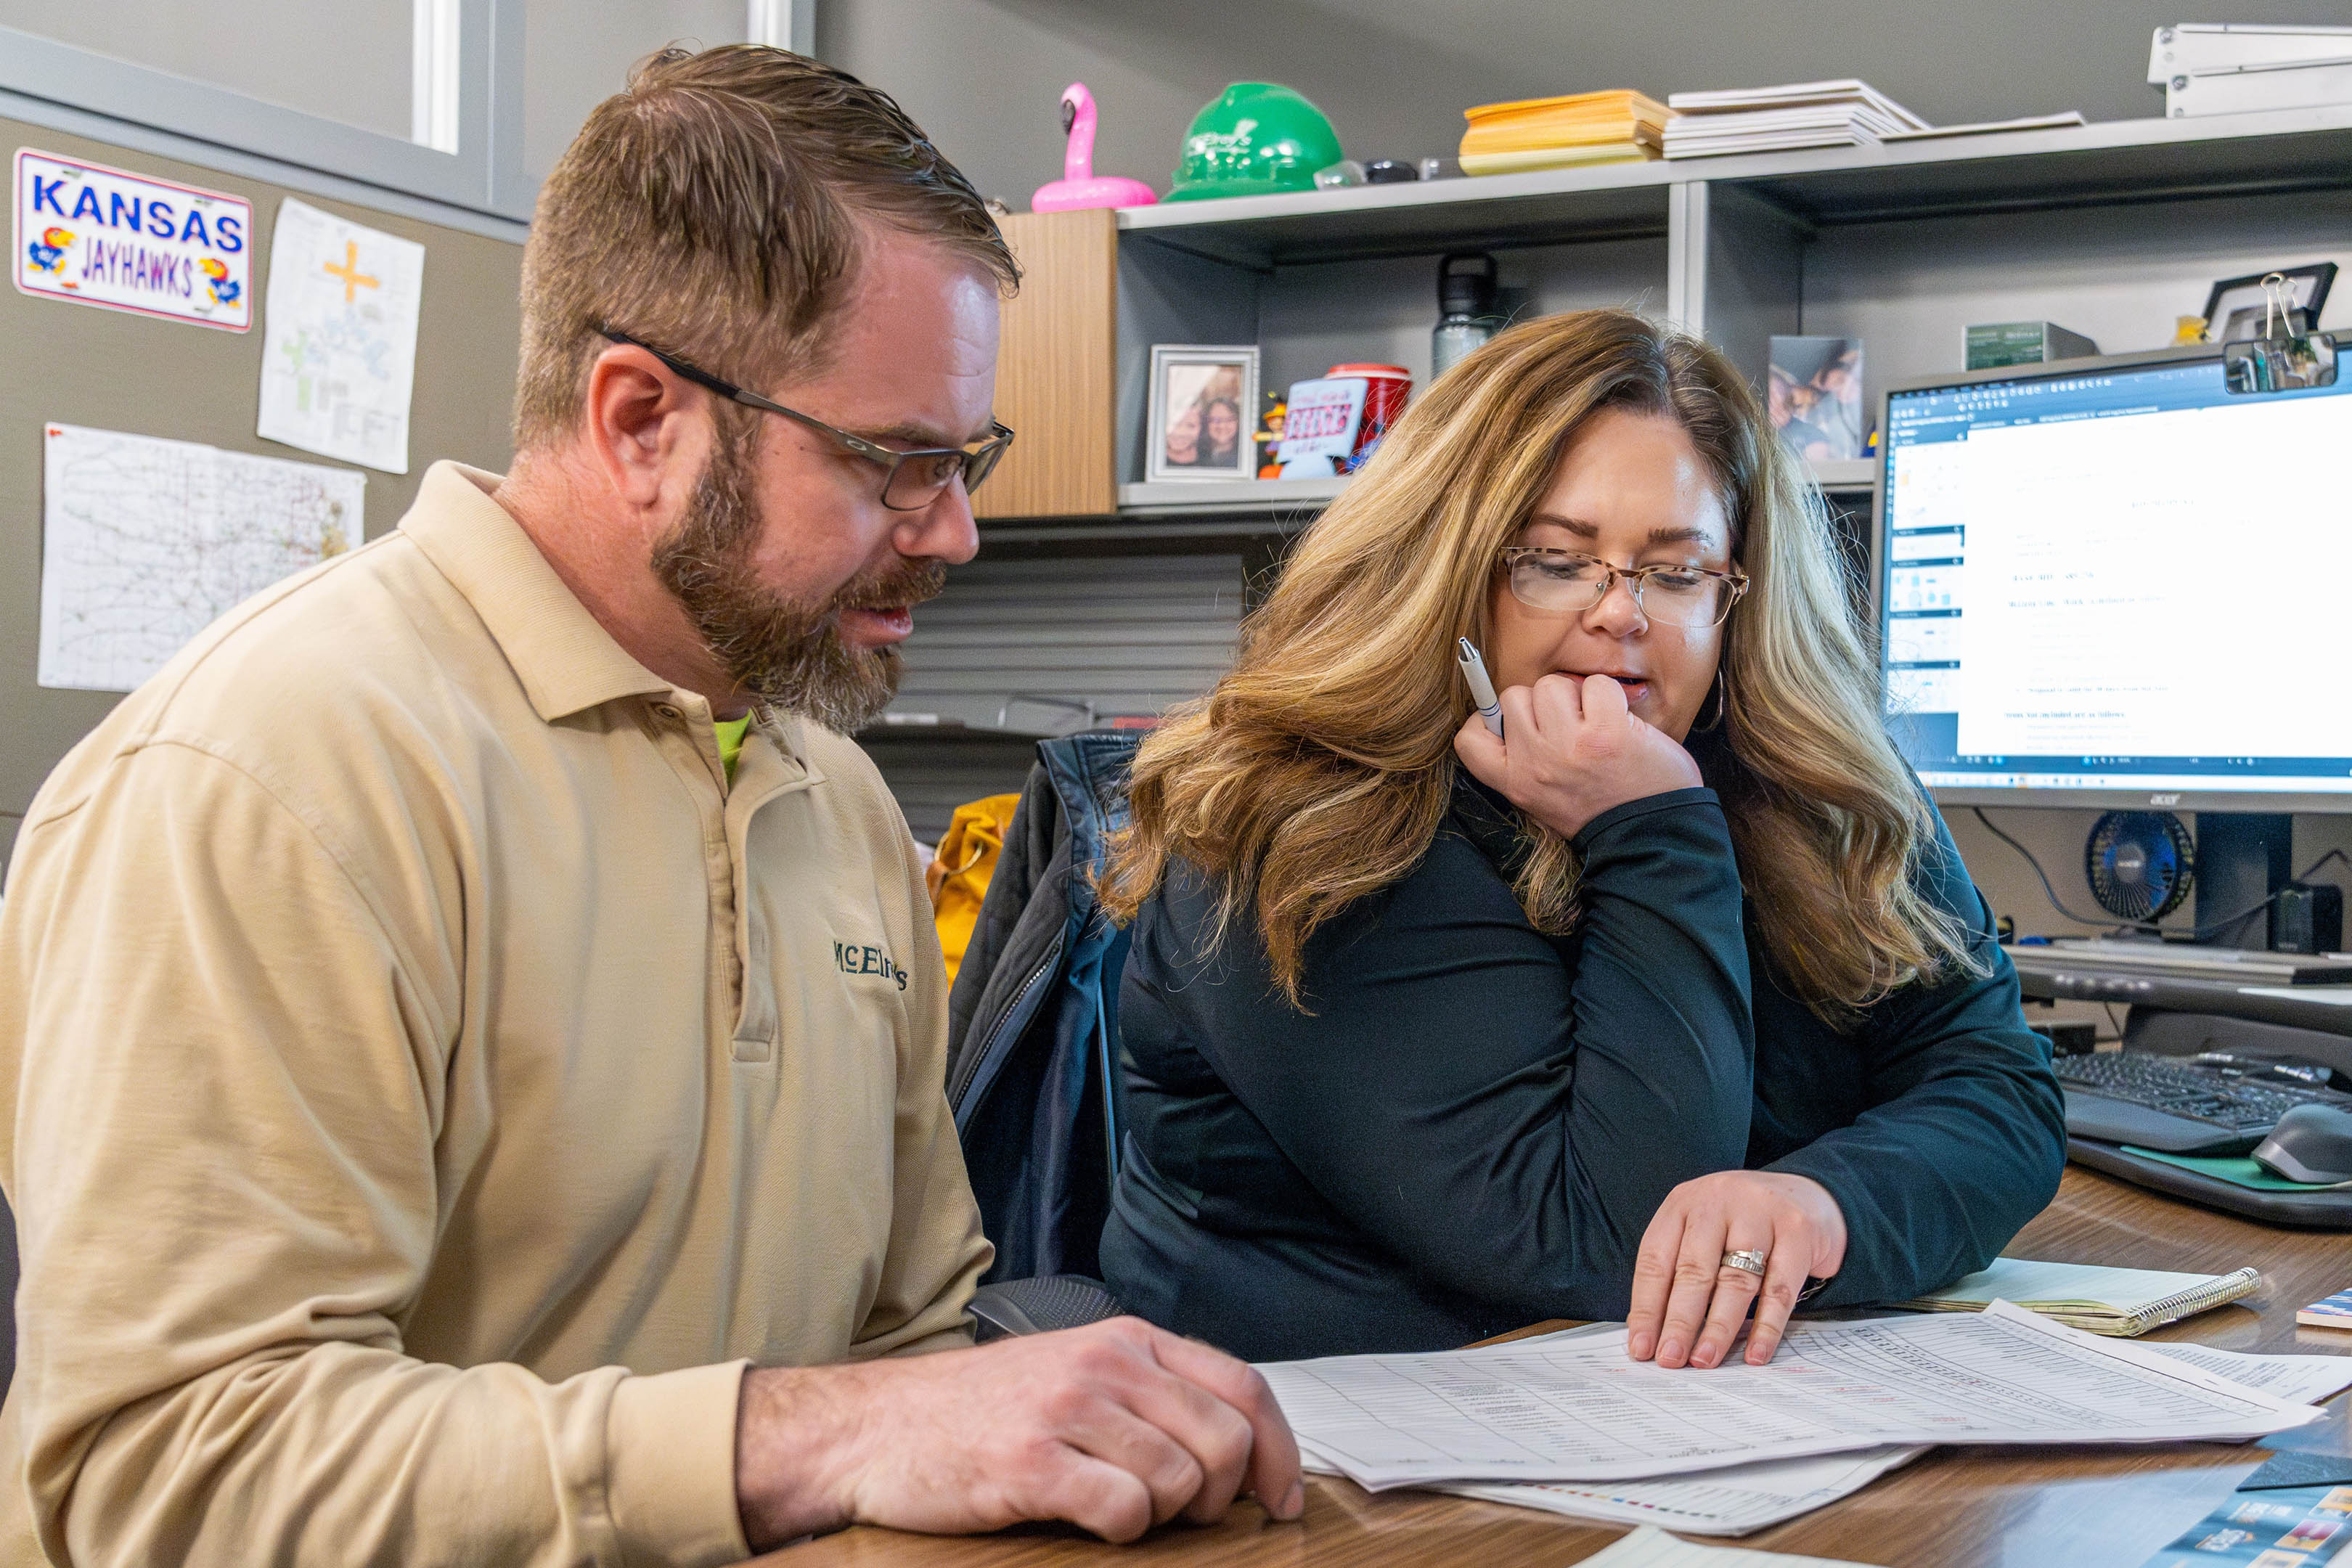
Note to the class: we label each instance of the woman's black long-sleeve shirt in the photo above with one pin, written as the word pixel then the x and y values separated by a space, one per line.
pixel 1473 1123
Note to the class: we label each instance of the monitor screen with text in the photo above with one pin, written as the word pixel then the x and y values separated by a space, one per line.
pixel 2119 579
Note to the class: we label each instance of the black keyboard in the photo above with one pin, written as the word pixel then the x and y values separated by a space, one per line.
pixel 2179 1107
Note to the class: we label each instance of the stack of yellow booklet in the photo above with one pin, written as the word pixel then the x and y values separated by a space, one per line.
pixel 2115 1301
pixel 1552 132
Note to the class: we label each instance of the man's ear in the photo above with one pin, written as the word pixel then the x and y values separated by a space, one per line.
pixel 643 425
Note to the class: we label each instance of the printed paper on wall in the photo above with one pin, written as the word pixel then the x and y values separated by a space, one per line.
pixel 339 356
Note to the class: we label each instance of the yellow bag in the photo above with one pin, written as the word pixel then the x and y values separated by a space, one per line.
pixel 958 875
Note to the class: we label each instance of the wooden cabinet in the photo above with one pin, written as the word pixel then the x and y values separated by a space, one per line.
pixel 1055 368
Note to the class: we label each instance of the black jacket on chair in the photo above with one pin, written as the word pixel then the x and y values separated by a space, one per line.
pixel 1033 1020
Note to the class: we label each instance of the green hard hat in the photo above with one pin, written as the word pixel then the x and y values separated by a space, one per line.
pixel 1255 139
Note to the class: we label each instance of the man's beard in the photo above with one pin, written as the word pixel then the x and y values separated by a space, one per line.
pixel 783 652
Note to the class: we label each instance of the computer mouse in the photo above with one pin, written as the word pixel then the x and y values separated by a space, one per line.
pixel 2310 1143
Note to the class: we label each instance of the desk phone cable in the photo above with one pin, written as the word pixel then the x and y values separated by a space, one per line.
pixel 2195 933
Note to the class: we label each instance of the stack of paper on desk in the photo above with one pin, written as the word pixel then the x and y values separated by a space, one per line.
pixel 1733 1501
pixel 1576 1409
pixel 1741 1498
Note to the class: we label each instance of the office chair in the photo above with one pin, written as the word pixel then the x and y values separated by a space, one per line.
pixel 1040 1306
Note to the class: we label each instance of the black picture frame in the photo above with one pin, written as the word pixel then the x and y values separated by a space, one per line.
pixel 2306 290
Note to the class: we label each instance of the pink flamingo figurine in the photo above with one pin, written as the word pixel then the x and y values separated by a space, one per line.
pixel 1080 186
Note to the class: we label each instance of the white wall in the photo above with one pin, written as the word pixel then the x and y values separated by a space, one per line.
pixel 352 60
pixel 982 76
pixel 577 53
pixel 343 60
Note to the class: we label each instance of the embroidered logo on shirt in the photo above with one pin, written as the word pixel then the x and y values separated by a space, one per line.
pixel 854 959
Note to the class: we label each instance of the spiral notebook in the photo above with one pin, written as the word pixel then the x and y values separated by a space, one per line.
pixel 2115 1301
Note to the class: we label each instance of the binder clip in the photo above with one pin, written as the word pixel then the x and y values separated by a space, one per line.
pixel 2288 357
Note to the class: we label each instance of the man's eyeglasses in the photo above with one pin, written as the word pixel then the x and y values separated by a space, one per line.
pixel 1562 581
pixel 910 480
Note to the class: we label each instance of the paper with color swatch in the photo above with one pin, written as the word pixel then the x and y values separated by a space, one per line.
pixel 339 344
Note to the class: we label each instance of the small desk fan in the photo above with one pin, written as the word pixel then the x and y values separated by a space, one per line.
pixel 2140 864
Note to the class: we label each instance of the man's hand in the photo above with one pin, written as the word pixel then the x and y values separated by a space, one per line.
pixel 1688 1303
pixel 1570 749
pixel 1116 1426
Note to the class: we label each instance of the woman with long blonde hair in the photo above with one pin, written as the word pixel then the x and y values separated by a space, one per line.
pixel 1671 1001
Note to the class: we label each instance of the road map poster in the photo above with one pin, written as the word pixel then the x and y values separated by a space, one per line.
pixel 339 350
pixel 145 542
pixel 103 236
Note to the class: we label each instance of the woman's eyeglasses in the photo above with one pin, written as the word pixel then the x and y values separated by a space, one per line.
pixel 1561 582
pixel 910 480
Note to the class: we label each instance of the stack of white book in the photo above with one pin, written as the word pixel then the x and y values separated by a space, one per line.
pixel 1844 113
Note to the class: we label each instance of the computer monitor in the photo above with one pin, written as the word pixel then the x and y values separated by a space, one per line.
pixel 2112 583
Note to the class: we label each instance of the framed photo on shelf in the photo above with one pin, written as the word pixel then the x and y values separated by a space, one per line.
pixel 1199 424
pixel 1813 394
pixel 2234 311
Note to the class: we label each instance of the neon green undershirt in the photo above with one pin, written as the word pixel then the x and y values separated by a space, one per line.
pixel 730 732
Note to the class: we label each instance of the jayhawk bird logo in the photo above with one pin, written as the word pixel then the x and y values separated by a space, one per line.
pixel 224 291
pixel 48 252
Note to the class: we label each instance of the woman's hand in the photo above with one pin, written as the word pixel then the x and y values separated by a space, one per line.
pixel 1573 750
pixel 1688 1303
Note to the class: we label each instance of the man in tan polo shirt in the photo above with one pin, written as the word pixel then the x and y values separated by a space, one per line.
pixel 465 1087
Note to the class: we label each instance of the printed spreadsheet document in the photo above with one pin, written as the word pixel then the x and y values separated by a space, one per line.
pixel 1579 1410
pixel 1739 1498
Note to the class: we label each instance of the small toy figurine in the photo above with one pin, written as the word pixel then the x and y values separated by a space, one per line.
pixel 1080 186
pixel 1269 438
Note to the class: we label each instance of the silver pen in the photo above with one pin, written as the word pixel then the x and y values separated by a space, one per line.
pixel 1482 689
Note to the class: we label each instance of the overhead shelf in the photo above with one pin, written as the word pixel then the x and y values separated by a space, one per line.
pixel 1847 474
pixel 1230 497
pixel 2118 161
pixel 1613 202
pixel 1180 498
pixel 930 729
pixel 1214 511
pixel 1234 527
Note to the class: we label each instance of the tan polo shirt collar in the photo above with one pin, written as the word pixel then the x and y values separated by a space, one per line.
pixel 567 662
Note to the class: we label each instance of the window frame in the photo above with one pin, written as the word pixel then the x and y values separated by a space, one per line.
pixel 782 23
pixel 480 56
pixel 466 86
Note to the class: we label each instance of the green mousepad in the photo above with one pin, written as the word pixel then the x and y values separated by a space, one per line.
pixel 2237 1171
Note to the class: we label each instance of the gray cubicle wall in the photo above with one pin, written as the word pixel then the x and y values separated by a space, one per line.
pixel 78 365
pixel 1131 634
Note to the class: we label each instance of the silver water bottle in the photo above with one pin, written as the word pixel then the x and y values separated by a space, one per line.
pixel 1465 304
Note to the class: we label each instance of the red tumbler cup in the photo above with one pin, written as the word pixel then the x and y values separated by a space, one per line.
pixel 1387 388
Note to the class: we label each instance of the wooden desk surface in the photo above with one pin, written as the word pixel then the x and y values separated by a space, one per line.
pixel 1956 1508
